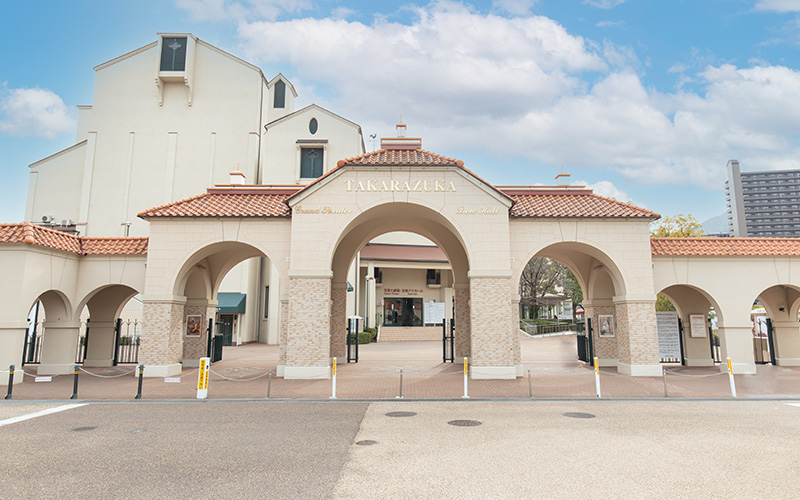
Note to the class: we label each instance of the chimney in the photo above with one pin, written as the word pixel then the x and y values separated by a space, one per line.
pixel 401 141
pixel 237 178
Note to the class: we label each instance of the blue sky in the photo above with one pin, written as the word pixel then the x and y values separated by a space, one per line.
pixel 643 100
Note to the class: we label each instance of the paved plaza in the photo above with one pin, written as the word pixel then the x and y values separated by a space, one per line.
pixel 403 450
pixel 550 371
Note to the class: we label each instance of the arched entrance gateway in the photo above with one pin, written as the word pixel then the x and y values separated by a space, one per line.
pixel 306 242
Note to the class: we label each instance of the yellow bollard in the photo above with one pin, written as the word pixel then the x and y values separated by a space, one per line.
pixel 466 394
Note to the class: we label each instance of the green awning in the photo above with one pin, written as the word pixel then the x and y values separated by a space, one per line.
pixel 231 303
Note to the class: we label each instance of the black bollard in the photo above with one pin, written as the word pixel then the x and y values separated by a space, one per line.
pixel 75 385
pixel 141 374
pixel 10 381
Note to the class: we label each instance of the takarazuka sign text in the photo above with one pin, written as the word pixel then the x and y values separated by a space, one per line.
pixel 396 186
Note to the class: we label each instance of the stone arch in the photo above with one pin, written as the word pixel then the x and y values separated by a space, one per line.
pixel 590 264
pixel 105 305
pixel 689 300
pixel 781 303
pixel 408 217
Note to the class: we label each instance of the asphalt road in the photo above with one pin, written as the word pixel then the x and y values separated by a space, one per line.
pixel 673 449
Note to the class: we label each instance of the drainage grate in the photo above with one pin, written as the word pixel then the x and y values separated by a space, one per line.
pixel 83 429
pixel 366 442
pixel 401 414
pixel 464 423
pixel 577 414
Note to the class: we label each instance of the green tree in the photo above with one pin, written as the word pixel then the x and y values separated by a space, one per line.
pixel 543 276
pixel 663 303
pixel 676 226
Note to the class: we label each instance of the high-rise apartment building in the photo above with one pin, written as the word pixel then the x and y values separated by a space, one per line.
pixel 763 204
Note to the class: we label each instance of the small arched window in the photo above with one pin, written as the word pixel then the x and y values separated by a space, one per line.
pixel 313 126
pixel 280 95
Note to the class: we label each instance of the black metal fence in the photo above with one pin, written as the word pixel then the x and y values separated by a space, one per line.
pixel 126 344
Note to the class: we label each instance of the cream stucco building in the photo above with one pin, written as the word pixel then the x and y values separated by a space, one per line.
pixel 205 180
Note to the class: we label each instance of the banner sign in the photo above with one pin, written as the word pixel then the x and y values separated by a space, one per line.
pixel 669 342
pixel 698 325
pixel 202 378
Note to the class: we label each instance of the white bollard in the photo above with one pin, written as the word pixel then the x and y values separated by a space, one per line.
pixel 730 377
pixel 466 394
pixel 202 378
pixel 597 376
pixel 333 383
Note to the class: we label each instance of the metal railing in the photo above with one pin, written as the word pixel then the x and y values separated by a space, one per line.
pixel 549 329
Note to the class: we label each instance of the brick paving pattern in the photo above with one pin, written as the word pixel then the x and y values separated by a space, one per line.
pixel 550 366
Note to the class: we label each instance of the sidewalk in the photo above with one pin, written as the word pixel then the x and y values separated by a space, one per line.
pixel 550 371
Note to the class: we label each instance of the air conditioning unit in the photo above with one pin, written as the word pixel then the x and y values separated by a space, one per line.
pixel 47 219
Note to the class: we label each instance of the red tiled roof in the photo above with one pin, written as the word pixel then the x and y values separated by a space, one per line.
pixel 725 246
pixel 400 157
pixel 580 203
pixel 250 201
pixel 407 253
pixel 81 245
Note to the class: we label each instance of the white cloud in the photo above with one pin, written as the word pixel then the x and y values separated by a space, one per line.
pixel 34 112
pixel 515 7
pixel 609 190
pixel 610 24
pixel 778 5
pixel 525 87
pixel 604 4
pixel 342 12
pixel 246 10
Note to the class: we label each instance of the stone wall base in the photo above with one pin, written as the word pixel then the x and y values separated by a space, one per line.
pixel 739 368
pixel 640 370
pixel 54 369
pixel 305 372
pixel 493 372
pixel 163 370
pixel 699 362
pixel 787 361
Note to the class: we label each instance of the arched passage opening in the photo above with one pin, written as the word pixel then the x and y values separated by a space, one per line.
pixel 413 289
pixel 775 327
pixel 694 321
pixel 51 340
pixel 597 281
pixel 180 329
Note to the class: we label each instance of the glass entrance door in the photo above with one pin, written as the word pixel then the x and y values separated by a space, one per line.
pixel 402 312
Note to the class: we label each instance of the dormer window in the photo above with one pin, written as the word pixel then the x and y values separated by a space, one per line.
pixel 279 101
pixel 173 54
pixel 311 162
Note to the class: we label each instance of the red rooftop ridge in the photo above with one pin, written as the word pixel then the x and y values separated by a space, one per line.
pixel 82 245
pixel 767 247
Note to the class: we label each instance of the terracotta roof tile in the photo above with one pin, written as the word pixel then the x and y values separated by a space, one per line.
pixel 407 253
pixel 395 157
pixel 725 246
pixel 230 203
pixel 573 204
pixel 81 245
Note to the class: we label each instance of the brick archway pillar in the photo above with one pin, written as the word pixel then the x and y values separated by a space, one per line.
pixel 492 341
pixel 308 339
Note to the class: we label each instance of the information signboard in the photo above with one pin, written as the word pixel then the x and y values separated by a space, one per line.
pixel 669 342
pixel 697 324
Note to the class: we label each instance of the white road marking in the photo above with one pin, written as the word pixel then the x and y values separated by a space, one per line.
pixel 793 404
pixel 48 411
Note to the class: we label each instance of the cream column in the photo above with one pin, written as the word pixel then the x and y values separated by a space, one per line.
pixel 308 344
pixel 736 342
pixel 161 348
pixel 492 342
pixel 370 306
pixel 101 340
pixel 59 347
pixel 696 350
pixel 786 337
pixel 12 339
